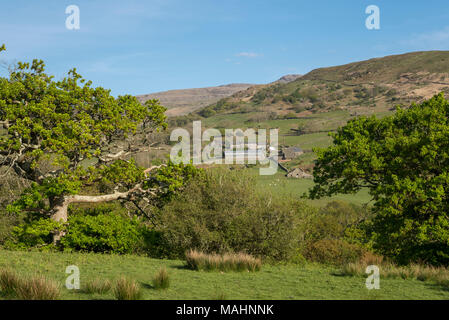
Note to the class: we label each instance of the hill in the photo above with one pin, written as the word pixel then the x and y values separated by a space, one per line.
pixel 373 85
pixel 288 78
pixel 184 101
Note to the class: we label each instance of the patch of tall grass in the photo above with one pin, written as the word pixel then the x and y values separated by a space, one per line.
pixel 162 279
pixel 9 282
pixel 438 275
pixel 98 286
pixel 38 288
pixel 227 262
pixel 126 289
pixel 34 288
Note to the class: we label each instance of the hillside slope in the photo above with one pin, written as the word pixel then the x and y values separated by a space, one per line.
pixel 183 101
pixel 363 87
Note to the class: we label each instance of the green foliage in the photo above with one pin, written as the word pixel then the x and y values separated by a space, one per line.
pixel 333 251
pixel 125 172
pixel 221 212
pixel 35 234
pixel 63 117
pixel 335 234
pixel 404 162
pixel 104 227
pixel 7 223
pixel 62 123
pixel 207 112
pixel 265 93
pixel 335 219
pixel 108 233
pixel 171 179
pixel 35 201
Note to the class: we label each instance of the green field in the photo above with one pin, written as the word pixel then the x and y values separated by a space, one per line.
pixel 278 184
pixel 272 282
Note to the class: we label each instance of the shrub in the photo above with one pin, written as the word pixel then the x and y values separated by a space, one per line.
pixel 227 262
pixel 161 280
pixel 207 112
pixel 98 286
pixel 7 224
pixel 343 221
pixel 337 252
pixel 334 219
pixel 37 288
pixel 103 233
pixel 34 234
pixel 222 212
pixel 126 289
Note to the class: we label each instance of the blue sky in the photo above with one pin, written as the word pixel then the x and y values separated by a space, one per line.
pixel 139 47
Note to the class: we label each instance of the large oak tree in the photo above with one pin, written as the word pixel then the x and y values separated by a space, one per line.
pixel 63 123
pixel 403 160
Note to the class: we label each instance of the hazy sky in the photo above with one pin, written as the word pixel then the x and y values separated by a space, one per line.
pixel 140 47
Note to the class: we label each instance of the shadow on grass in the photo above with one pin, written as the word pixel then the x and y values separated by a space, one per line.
pixel 147 286
pixel 181 267
pixel 438 287
pixel 338 274
pixel 341 274
pixel 8 296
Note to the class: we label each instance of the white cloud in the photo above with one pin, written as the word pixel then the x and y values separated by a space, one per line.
pixel 431 38
pixel 248 54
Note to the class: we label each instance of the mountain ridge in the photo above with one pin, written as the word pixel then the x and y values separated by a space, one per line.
pixel 373 85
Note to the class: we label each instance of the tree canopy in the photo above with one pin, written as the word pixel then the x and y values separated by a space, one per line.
pixel 58 124
pixel 403 160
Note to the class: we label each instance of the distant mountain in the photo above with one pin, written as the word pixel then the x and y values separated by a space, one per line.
pixel 184 101
pixel 288 78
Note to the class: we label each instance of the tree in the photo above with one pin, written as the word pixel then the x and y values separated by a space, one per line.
pixel 61 124
pixel 403 160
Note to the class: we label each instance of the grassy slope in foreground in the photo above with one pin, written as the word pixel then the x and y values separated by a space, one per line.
pixel 273 282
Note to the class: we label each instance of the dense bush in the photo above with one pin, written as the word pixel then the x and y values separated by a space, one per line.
pixel 222 212
pixel 333 251
pixel 336 236
pixel 104 233
pixel 337 220
pixel 34 234
pixel 7 223
pixel 101 228
pixel 341 220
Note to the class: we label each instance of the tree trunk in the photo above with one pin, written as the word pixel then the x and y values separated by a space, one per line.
pixel 60 209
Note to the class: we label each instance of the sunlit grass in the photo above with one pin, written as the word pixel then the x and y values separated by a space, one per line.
pixel 310 281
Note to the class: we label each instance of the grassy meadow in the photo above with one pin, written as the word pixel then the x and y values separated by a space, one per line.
pixel 309 281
